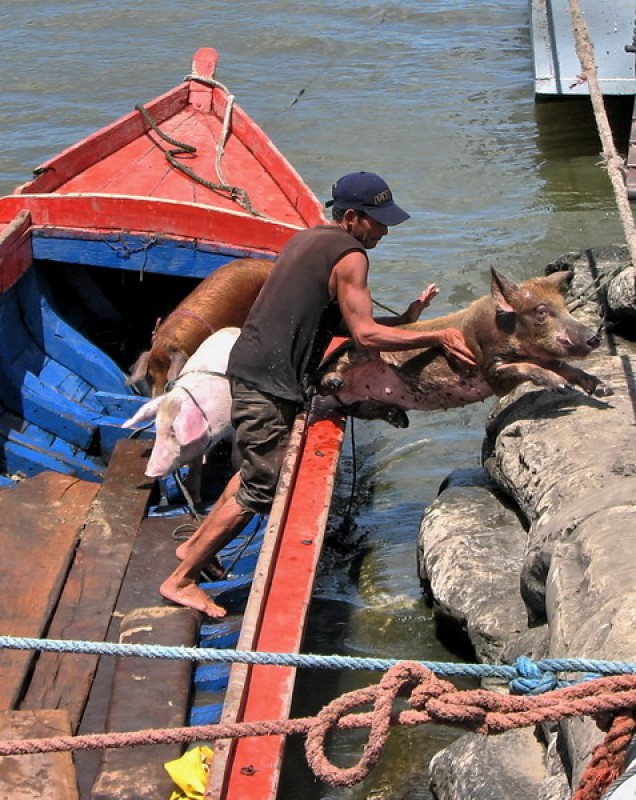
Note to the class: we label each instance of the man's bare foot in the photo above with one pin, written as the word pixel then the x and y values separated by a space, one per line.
pixel 191 596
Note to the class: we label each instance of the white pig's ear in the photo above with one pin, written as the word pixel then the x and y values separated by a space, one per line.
pixel 189 424
pixel 146 412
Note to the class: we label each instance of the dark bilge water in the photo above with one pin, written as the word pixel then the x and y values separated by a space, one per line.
pixel 435 95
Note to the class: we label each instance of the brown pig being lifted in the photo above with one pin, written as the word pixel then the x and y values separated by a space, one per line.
pixel 222 300
pixel 517 333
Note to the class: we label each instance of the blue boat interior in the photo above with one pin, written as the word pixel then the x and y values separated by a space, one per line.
pixel 72 327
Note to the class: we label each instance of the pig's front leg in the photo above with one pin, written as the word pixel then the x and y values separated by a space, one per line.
pixel 554 375
pixel 578 377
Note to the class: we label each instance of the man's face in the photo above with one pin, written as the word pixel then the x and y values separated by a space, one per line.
pixel 365 229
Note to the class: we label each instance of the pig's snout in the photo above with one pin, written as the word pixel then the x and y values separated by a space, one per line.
pixel 578 342
pixel 160 471
pixel 332 383
pixel 163 460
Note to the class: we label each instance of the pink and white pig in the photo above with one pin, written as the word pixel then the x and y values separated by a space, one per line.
pixel 194 415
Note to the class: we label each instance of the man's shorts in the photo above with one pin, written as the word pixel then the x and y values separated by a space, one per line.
pixel 263 424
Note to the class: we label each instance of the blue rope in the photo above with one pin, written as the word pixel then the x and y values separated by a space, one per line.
pixel 525 676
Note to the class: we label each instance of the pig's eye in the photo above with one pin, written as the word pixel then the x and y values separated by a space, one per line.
pixel 541 312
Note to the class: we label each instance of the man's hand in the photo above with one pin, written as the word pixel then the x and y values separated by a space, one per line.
pixel 454 345
pixel 412 313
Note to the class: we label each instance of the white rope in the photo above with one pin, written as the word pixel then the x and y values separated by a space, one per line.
pixel 227 119
pixel 613 161
pixel 227 122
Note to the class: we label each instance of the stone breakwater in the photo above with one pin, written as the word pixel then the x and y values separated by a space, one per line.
pixel 534 553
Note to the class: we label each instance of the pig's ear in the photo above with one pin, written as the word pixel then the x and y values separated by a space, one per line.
pixel 146 412
pixel 189 424
pixel 560 278
pixel 503 291
pixel 139 369
pixel 177 361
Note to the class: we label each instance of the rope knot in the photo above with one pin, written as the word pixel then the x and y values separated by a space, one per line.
pixel 531 679
pixel 406 679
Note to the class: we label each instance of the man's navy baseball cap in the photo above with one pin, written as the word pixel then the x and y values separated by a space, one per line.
pixel 367 192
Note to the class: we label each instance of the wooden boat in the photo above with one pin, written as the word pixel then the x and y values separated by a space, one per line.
pixel 105 239
pixel 556 64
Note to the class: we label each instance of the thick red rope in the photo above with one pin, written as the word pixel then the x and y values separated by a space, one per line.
pixel 428 699
pixel 608 759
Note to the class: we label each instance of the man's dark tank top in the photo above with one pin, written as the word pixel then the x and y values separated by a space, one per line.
pixel 293 319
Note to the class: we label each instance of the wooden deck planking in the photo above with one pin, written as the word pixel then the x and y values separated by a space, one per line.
pixel 104 176
pixel 147 693
pixel 38 549
pixel 117 700
pixel 93 584
pixel 41 776
pixel 278 170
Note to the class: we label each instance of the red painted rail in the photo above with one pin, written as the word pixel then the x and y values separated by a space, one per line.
pixel 277 611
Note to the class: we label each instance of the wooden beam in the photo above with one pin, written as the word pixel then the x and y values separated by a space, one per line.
pixel 147 693
pixel 16 253
pixel 104 212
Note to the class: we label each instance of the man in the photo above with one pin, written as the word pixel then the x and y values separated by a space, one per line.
pixel 319 282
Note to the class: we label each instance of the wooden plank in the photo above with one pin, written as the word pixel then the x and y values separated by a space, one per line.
pixel 239 673
pixel 276 615
pixel 153 558
pixel 14 231
pixel 43 776
pixel 148 693
pixel 61 342
pixel 173 257
pixel 203 66
pixel 287 179
pixel 93 584
pixel 41 523
pixel 269 691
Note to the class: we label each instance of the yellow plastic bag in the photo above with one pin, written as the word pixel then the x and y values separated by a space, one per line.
pixel 190 773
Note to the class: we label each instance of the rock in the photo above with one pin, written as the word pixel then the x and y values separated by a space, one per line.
pixel 545 450
pixel 616 277
pixel 537 558
pixel 489 768
pixel 469 531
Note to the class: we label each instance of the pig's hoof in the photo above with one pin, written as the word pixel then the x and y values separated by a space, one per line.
pixel 332 383
pixel 603 390
pixel 397 418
